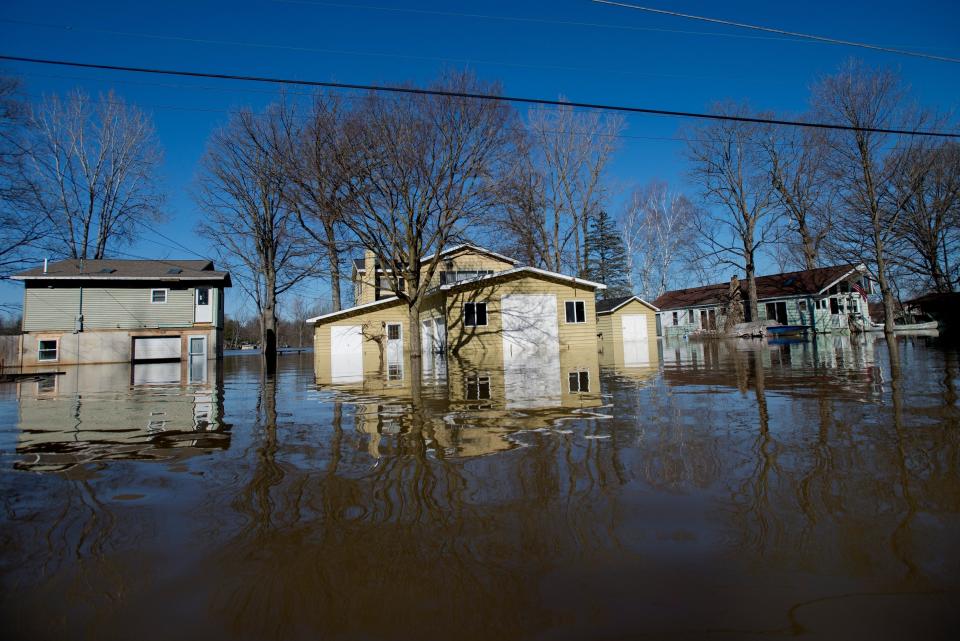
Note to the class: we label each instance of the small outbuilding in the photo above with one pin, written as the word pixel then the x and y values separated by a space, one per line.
pixel 627 331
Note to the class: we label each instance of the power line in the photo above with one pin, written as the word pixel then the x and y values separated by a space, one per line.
pixel 782 32
pixel 395 89
pixel 343 52
pixel 533 20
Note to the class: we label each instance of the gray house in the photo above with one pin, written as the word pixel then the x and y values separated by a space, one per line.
pixel 825 300
pixel 121 311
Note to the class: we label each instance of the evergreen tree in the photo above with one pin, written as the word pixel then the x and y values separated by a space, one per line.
pixel 606 256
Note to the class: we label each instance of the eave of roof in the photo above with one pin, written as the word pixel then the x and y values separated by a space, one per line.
pixel 355 308
pixel 626 302
pixel 517 270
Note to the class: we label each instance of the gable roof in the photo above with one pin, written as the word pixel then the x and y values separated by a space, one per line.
pixel 383 302
pixel 126 270
pixel 610 305
pixel 533 271
pixel 808 282
pixel 359 264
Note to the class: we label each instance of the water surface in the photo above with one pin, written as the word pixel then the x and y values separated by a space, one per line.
pixel 733 490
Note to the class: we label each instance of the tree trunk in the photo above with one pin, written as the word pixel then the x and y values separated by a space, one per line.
pixel 416 360
pixel 333 255
pixel 887 294
pixel 268 324
pixel 809 251
pixel 752 304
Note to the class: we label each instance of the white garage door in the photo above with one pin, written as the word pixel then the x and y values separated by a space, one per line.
pixel 531 350
pixel 346 353
pixel 156 348
pixel 636 345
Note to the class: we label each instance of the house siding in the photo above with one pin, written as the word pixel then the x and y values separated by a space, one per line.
pixel 51 309
pixel 610 327
pixel 374 326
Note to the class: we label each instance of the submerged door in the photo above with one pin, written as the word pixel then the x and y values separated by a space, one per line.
pixel 531 349
pixel 197 361
pixel 636 343
pixel 394 351
pixel 346 353
pixel 203 311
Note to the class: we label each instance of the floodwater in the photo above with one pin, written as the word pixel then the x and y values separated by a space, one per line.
pixel 729 490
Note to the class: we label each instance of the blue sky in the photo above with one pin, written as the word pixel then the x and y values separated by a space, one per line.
pixel 574 48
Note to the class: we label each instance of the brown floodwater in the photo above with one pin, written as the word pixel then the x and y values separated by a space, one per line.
pixel 729 490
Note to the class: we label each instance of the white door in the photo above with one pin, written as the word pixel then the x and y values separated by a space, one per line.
pixel 346 353
pixel 395 351
pixel 636 346
pixel 197 365
pixel 203 310
pixel 156 348
pixel 531 350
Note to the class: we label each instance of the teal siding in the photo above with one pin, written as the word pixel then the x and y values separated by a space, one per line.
pixel 50 309
pixel 109 308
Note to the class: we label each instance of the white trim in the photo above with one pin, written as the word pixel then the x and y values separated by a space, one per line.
pixel 861 268
pixel 476 248
pixel 574 321
pixel 382 301
pixel 109 277
pixel 57 350
pixel 486 317
pixel 629 300
pixel 166 295
pixel 518 270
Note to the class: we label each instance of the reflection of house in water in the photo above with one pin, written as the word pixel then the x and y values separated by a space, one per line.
pixel 120 411
pixel 480 405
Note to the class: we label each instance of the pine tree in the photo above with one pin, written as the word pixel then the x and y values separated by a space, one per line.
pixel 606 257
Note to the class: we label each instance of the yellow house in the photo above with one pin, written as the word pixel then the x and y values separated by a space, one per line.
pixel 628 332
pixel 480 303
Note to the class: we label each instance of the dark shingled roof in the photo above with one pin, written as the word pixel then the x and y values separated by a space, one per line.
pixel 802 283
pixel 607 304
pixel 114 269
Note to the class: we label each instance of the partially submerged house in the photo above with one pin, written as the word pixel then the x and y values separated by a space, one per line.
pixel 480 302
pixel 825 299
pixel 627 332
pixel 121 311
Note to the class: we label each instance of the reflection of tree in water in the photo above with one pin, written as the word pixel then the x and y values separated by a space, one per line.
pixel 412 538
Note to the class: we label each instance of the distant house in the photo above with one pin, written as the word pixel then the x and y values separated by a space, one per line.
pixel 115 311
pixel 940 306
pixel 627 328
pixel 824 299
pixel 480 302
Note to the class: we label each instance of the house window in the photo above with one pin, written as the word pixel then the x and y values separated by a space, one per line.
pixel 158 296
pixel 394 372
pixel 576 312
pixel 474 314
pixel 393 332
pixel 802 306
pixel 579 382
pixel 448 277
pixel 676 319
pixel 203 296
pixel 691 318
pixel 47 349
pixel 834 306
pixel 478 388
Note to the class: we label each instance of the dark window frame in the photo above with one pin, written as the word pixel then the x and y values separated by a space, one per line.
pixel 472 313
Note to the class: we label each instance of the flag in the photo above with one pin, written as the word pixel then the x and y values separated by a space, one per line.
pixel 857 287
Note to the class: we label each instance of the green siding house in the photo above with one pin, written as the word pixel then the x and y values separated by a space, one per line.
pixel 121 311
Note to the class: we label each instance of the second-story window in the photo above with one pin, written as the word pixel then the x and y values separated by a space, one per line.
pixel 474 314
pixel 576 311
pixel 158 296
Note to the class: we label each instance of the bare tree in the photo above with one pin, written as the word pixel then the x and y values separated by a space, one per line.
pixel 241 190
pixel 18 233
pixel 868 209
pixel 426 168
pixel 929 230
pixel 320 193
pixel 520 230
pixel 658 231
pixel 728 164
pixel 799 175
pixel 572 150
pixel 89 173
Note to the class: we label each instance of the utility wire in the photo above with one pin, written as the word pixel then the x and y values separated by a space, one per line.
pixel 782 32
pixel 396 89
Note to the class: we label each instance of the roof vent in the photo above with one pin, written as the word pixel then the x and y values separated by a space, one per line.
pixel 790 281
pixel 107 270
pixel 174 270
